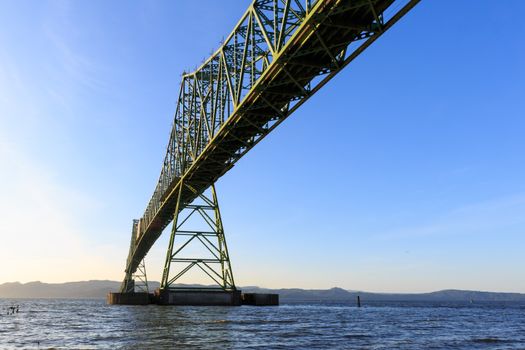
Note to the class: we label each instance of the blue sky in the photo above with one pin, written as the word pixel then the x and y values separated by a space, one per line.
pixel 404 173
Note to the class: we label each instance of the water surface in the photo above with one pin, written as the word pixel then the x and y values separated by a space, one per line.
pixel 91 324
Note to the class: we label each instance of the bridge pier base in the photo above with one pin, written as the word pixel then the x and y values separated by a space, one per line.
pixel 128 298
pixel 199 298
pixel 194 298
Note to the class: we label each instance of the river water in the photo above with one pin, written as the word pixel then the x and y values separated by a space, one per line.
pixel 91 324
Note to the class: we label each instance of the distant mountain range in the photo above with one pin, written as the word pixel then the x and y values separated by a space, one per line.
pixel 80 290
pixel 99 289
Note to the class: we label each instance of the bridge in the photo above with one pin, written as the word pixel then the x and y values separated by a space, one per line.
pixel 280 53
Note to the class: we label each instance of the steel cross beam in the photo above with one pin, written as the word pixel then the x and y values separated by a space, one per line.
pixel 214 261
pixel 279 54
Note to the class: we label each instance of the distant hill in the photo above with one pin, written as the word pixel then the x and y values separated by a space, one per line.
pixel 342 295
pixel 84 289
pixel 80 290
pixel 99 289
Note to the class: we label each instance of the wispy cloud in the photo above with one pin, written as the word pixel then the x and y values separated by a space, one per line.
pixel 495 214
pixel 70 66
pixel 45 222
pixel 73 65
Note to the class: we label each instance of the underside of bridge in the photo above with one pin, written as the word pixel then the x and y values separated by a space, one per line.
pixel 280 53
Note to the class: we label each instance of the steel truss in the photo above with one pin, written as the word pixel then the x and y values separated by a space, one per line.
pixel 140 278
pixel 215 262
pixel 280 53
pixel 136 281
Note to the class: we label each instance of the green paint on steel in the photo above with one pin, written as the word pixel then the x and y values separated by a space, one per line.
pixel 279 54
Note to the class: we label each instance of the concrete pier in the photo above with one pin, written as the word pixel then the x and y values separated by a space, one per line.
pixel 198 297
pixel 128 298
pixel 194 297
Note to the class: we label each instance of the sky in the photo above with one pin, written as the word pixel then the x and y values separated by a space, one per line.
pixel 404 174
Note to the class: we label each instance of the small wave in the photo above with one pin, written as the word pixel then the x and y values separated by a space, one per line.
pixel 488 340
pixel 357 336
pixel 218 321
pixel 258 322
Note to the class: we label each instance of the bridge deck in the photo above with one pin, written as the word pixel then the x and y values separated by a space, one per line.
pixel 330 35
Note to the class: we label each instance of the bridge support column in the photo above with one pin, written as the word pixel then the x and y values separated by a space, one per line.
pixel 197 246
pixel 140 278
pixel 135 279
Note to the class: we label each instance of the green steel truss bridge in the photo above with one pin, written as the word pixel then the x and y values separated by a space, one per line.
pixel 280 53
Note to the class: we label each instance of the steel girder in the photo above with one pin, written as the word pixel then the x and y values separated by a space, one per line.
pixel 212 259
pixel 280 53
